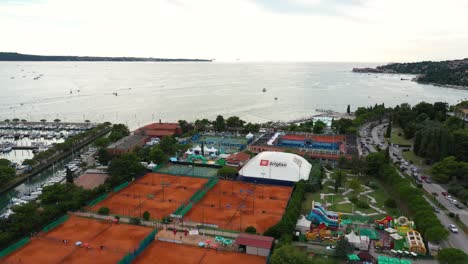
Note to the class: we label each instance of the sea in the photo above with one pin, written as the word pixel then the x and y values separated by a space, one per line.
pixel 137 93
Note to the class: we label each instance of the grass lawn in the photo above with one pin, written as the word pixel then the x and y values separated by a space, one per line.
pixel 400 140
pixel 307 202
pixel 412 158
pixel 342 208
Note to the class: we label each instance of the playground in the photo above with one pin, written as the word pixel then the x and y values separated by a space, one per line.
pixel 176 169
pixel 353 188
pixel 163 252
pixel 84 238
pixel 225 144
pixel 236 205
pixel 159 194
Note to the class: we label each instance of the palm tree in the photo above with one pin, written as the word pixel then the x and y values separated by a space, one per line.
pixel 7 121
pixel 57 120
pixel 43 120
pixel 16 120
pixel 23 121
pixel 87 121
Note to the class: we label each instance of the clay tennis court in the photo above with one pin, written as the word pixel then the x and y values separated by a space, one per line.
pixel 165 253
pixel 117 239
pixel 159 194
pixel 236 205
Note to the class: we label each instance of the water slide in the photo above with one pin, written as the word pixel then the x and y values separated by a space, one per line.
pixel 318 206
pixel 319 215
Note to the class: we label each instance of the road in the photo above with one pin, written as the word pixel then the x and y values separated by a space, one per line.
pixel 375 134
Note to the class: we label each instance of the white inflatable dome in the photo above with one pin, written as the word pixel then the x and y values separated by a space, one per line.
pixel 277 166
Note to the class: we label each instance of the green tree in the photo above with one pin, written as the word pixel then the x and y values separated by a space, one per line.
pixel 102 142
pixel 343 247
pixel 146 215
pixel 219 123
pixel 436 233
pixel 251 230
pixel 168 145
pixel 124 168
pixel 348 109
pixel 185 126
pixel 452 256
pixel 388 132
pixel 5 162
pixel 234 122
pixel 227 172
pixel 355 184
pixel 103 156
pixel 69 176
pixel 288 254
pixel 460 149
pixel 202 125
pixel 157 156
pixel 103 211
pixel 373 163
pixel 118 131
pixel 319 127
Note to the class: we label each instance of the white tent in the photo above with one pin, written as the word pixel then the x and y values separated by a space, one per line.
pixel 276 166
pixel 249 136
pixel 206 150
pixel 303 224
pixel 197 148
pixel 353 238
pixel 212 150
pixel 188 152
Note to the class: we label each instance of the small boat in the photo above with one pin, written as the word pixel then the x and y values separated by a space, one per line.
pixel 7 149
pixel 28 198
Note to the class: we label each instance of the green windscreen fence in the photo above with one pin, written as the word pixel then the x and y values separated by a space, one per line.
pixel 97 200
pixel 55 223
pixel 143 245
pixel 14 247
pixel 121 186
pixel 211 183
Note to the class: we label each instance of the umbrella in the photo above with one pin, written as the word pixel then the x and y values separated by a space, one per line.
pixel 78 243
pixel 201 244
pixel 86 245
pixel 208 241
pixel 215 246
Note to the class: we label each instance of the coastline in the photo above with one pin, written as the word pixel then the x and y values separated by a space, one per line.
pixel 415 79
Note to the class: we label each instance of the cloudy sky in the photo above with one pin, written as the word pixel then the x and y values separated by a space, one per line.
pixel 249 30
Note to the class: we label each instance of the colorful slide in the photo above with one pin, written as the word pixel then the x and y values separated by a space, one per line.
pixel 319 215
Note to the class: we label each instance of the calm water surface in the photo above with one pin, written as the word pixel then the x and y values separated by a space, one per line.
pixel 148 91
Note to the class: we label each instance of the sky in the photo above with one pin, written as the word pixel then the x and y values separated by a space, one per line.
pixel 245 30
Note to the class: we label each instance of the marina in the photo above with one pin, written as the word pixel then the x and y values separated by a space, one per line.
pixel 30 190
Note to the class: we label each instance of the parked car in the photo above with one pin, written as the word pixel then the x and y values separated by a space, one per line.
pixel 453 228
pixel 459 206
pixel 444 193
pixel 453 201
pixel 428 180
pixel 436 210
pixel 423 177
pixel 333 247
pixel 449 197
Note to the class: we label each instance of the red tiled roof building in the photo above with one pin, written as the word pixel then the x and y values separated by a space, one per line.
pixel 160 130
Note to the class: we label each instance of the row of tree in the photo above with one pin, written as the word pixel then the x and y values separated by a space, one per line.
pixel 220 124
pixel 6 171
pixel 377 165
